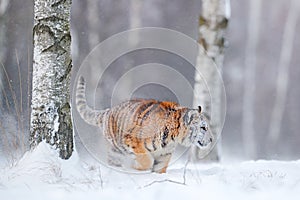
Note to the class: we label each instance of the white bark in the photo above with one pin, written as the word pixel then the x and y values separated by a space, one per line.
pixel 212 25
pixel 93 23
pixel 249 87
pixel 135 20
pixel 93 33
pixel 283 72
pixel 3 8
pixel 133 40
pixel 50 114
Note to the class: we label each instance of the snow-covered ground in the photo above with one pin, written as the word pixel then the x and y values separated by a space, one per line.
pixel 41 175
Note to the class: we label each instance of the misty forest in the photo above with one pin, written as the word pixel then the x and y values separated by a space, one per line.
pixel 156 99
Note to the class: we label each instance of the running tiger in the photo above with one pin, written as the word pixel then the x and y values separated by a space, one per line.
pixel 146 130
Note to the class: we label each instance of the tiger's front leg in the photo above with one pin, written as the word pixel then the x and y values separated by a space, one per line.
pixel 161 163
pixel 143 161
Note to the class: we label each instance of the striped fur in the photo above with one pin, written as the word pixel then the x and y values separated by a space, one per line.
pixel 148 130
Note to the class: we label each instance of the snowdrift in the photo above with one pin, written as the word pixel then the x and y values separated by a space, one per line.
pixel 40 174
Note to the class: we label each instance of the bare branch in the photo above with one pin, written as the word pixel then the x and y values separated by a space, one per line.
pixel 162 181
pixel 172 181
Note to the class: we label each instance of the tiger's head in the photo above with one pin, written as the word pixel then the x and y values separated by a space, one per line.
pixel 199 132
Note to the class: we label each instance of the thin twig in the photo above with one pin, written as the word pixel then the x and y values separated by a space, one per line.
pixel 22 137
pixel 20 80
pixel 165 180
pixel 100 177
pixel 13 96
pixel 28 82
pixel 11 90
pixel 172 181
pixel 185 167
pixel 4 93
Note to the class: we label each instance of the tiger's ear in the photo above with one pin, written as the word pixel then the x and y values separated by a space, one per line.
pixel 199 109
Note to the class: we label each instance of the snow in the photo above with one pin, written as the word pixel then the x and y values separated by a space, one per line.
pixel 41 174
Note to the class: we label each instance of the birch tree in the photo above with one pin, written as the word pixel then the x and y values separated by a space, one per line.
pixel 282 82
pixel 212 25
pixel 93 23
pixel 50 104
pixel 134 20
pixel 3 8
pixel 249 74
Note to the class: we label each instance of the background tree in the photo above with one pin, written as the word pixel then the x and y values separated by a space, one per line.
pixel 112 17
pixel 253 30
pixel 283 76
pixel 50 114
pixel 212 25
pixel 3 8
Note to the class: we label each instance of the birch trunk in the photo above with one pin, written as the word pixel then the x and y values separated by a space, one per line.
pixel 133 40
pixel 282 82
pixel 134 20
pixel 50 114
pixel 212 25
pixel 3 8
pixel 249 74
pixel 93 23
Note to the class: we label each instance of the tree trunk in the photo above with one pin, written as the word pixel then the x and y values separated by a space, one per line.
pixel 134 20
pixel 3 8
pixel 93 23
pixel 212 25
pixel 282 82
pixel 249 74
pixel 50 104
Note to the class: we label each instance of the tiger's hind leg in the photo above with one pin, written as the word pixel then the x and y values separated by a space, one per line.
pixel 114 157
pixel 161 163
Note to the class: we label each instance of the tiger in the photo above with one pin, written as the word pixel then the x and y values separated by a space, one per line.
pixel 146 130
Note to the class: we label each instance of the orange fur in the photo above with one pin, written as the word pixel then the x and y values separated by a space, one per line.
pixel 147 129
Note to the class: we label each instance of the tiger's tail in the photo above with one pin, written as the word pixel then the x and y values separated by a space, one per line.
pixel 93 117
